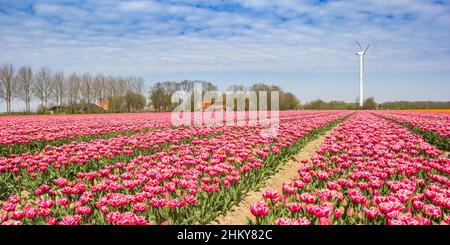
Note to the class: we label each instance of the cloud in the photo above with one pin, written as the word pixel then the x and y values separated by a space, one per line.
pixel 140 6
pixel 65 12
pixel 145 37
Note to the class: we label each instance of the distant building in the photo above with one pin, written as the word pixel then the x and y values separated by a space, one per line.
pixel 209 105
pixel 102 104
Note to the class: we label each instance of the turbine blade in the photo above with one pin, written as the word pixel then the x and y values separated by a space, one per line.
pixel 367 48
pixel 359 45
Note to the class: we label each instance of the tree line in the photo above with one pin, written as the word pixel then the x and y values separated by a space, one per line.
pixel 368 104
pixel 161 94
pixel 78 92
pixel 70 93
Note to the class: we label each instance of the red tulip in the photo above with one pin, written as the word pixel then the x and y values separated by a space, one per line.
pixel 84 210
pixel 259 209
pixel 325 221
pixel 44 212
pixel 417 204
pixel 4 217
pixel 14 199
pixel 18 214
pixel 51 221
pixel 271 194
pixel 9 206
pixel 338 212
pixel 372 212
pixel 70 220
pixel 295 207
pixel 432 210
pixel 321 211
pixel 12 222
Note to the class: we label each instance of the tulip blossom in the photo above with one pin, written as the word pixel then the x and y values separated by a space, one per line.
pixel 294 207
pixel 372 212
pixel 271 194
pixel 259 209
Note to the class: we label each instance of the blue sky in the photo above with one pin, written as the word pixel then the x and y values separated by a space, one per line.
pixel 307 47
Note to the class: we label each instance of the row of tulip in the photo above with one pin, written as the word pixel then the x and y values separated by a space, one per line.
pixel 75 156
pixel 30 134
pixel 181 183
pixel 368 171
pixel 434 122
pixel 433 127
pixel 22 129
pixel 20 172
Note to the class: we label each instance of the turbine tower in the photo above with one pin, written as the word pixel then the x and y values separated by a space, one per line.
pixel 361 54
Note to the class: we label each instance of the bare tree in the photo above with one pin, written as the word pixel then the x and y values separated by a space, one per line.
pixel 129 80
pixel 99 87
pixel 42 86
pixel 138 85
pixel 111 92
pixel 58 89
pixel 122 86
pixel 7 85
pixel 134 84
pixel 25 85
pixel 86 90
pixel 73 89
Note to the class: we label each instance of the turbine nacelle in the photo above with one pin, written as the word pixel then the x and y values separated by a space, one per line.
pixel 363 51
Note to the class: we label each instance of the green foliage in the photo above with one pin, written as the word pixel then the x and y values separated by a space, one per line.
pixel 131 102
pixel 134 102
pixel 370 104
pixel 287 100
pixel 161 93
pixel 332 105
pixel 5 189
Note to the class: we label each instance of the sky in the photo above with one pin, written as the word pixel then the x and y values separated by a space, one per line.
pixel 307 47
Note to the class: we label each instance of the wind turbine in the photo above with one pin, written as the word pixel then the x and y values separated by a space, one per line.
pixel 361 54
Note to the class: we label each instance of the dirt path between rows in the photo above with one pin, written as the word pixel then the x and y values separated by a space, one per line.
pixel 238 214
pixel 446 154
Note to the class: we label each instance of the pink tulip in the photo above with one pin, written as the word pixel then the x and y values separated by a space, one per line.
pixel 372 212
pixel 295 207
pixel 259 209
pixel 271 194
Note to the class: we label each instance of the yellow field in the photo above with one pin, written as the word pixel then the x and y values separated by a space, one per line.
pixel 429 110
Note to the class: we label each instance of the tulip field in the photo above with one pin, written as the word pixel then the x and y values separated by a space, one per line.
pixel 376 167
pixel 434 127
pixel 368 171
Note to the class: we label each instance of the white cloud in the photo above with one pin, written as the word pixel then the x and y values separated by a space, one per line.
pixel 65 12
pixel 153 37
pixel 257 4
pixel 140 6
